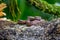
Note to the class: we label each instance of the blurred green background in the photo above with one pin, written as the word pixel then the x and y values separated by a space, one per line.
pixel 23 9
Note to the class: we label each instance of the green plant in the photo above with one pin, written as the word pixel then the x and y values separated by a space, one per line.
pixel 46 7
pixel 21 9
pixel 12 10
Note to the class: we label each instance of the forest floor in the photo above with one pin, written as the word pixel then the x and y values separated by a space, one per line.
pixel 31 30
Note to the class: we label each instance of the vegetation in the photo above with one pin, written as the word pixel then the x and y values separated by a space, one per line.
pixel 12 10
pixel 45 7
pixel 21 9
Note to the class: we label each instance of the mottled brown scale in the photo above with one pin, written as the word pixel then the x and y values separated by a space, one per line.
pixel 31 18
pixel 21 22
pixel 28 23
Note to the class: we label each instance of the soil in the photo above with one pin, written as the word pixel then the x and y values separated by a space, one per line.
pixel 14 31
